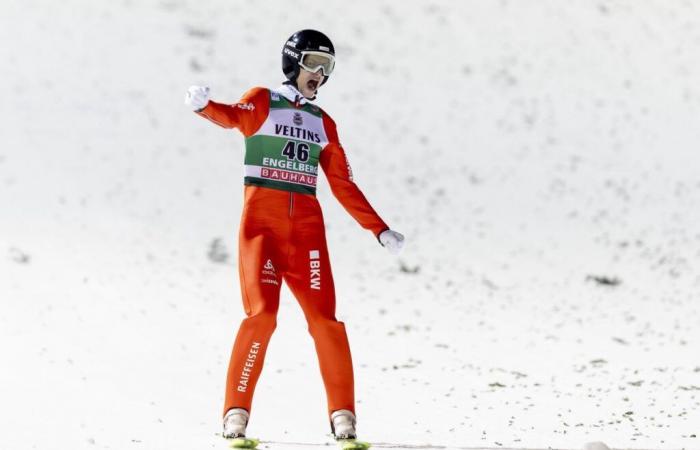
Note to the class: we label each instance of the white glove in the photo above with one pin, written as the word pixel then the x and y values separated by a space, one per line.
pixel 197 97
pixel 392 240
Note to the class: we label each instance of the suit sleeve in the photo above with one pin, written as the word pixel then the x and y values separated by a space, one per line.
pixel 337 169
pixel 247 115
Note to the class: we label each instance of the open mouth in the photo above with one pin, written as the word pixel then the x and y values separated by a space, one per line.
pixel 312 84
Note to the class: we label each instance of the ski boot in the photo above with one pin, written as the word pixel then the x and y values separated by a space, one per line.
pixel 235 422
pixel 343 426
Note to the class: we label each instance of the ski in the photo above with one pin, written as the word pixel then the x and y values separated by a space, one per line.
pixel 243 443
pixel 353 444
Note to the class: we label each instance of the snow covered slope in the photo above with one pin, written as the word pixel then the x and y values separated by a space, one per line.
pixel 525 148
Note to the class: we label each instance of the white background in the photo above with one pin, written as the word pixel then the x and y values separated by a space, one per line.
pixel 521 147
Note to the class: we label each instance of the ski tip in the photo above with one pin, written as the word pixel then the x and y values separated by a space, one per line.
pixel 243 443
pixel 354 444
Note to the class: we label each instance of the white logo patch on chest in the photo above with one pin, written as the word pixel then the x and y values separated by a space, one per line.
pixel 295 124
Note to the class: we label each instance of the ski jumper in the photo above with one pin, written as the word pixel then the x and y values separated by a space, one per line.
pixel 282 234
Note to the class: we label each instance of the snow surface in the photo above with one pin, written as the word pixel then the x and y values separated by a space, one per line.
pixel 523 147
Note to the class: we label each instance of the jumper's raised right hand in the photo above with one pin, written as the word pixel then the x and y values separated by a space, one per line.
pixel 197 97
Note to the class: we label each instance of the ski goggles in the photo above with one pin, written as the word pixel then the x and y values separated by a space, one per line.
pixel 313 61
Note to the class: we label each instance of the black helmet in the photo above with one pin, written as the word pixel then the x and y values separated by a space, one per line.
pixel 303 41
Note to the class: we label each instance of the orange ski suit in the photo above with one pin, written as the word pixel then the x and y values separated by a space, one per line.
pixel 282 234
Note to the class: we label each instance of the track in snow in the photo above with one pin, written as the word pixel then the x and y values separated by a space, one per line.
pixel 406 446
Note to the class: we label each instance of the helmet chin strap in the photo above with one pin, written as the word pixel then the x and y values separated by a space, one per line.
pixel 294 84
